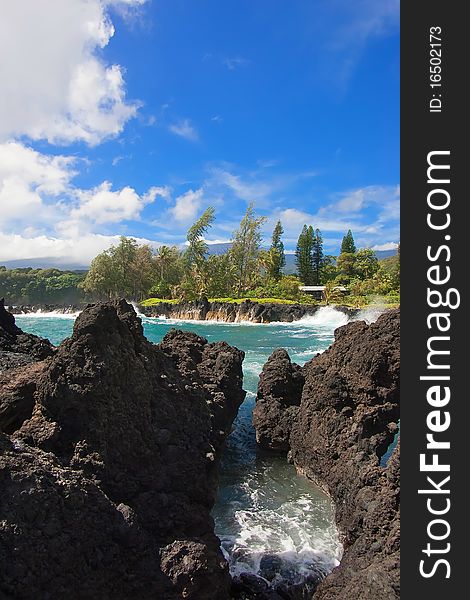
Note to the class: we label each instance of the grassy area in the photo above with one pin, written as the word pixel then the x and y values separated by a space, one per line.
pixel 156 301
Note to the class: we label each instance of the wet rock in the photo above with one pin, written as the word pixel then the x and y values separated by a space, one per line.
pixel 298 591
pixel 370 567
pixel 249 585
pixel 116 443
pixel 345 423
pixel 270 566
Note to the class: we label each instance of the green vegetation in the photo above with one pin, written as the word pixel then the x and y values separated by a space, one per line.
pixel 156 301
pixel 245 251
pixel 347 245
pixel 40 286
pixel 246 271
pixel 275 258
pixel 304 256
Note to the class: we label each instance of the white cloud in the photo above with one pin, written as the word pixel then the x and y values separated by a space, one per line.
pixel 55 84
pixel 372 213
pixel 103 205
pixel 184 129
pixel 63 250
pixel 187 205
pixel 38 199
pixel 27 178
pixel 294 219
pixel 386 246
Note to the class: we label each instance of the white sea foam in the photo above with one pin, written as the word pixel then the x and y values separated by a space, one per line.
pixel 299 535
pixel 48 315
pixel 369 314
pixel 137 310
pixel 326 316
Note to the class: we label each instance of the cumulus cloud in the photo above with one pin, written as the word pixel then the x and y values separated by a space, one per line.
pixel 27 179
pixel 56 218
pixel 187 205
pixel 103 205
pixel 57 86
pixel 62 250
pixel 386 246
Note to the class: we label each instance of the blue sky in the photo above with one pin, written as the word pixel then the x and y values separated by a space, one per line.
pixel 132 116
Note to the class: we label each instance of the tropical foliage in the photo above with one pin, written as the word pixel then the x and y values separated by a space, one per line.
pixel 246 270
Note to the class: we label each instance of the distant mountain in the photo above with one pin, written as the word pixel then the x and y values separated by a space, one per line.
pixel 44 263
pixel 219 248
pixel 381 254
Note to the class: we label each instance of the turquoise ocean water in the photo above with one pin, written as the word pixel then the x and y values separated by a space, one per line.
pixel 263 507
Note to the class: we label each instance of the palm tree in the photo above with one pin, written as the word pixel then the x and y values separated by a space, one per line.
pixel 163 257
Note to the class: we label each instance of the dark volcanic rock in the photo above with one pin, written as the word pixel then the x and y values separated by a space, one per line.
pixel 14 340
pixel 247 310
pixel 370 567
pixel 122 444
pixel 279 392
pixel 346 421
pixel 17 389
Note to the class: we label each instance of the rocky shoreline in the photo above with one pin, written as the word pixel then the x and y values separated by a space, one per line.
pixel 203 310
pixel 231 312
pixel 336 417
pixel 110 448
pixel 109 453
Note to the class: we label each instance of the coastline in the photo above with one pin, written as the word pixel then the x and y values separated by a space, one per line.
pixel 224 312
pixel 335 418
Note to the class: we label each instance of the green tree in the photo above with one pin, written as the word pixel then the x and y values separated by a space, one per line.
pixel 220 275
pixel 329 270
pixel 277 259
pixel 366 263
pixel 304 256
pixel 142 271
pixel 169 270
pixel 347 245
pixel 195 284
pixel 317 256
pixel 125 270
pixel 244 253
pixel 101 279
pixel 345 266
pixel 331 293
pixel 197 246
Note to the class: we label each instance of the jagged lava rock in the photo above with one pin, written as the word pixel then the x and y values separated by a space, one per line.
pixel 16 347
pixel 143 425
pixel 248 310
pixel 370 567
pixel 344 423
pixel 278 400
